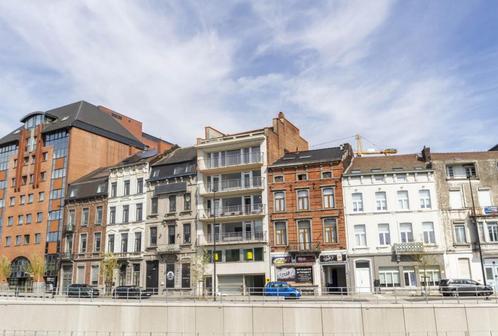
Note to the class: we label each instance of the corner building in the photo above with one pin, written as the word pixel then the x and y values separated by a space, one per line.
pixel 307 229
pixel 37 162
pixel 233 204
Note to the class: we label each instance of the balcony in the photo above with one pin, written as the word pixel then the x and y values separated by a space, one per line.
pixel 408 248
pixel 168 248
pixel 128 255
pixel 304 246
pixel 233 212
pixel 232 162
pixel 236 237
pixel 233 186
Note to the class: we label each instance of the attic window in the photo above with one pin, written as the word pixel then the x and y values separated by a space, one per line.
pixel 100 188
pixel 305 156
pixel 355 171
pixel 397 168
pixel 288 158
pixel 65 118
pixel 376 170
pixel 16 131
pixel 302 177
pixel 73 193
pixel 155 173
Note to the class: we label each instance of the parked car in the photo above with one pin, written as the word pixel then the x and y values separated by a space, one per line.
pixel 279 288
pixel 82 290
pixel 130 292
pixel 453 287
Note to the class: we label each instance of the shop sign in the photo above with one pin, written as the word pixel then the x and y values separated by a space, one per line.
pixel 281 260
pixel 491 210
pixel 304 274
pixel 305 259
pixel 286 274
pixel 331 258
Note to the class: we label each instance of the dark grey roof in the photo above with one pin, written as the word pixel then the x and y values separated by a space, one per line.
pixel 89 186
pixel 179 155
pixel 310 156
pixel 153 138
pixel 85 116
pixel 142 156
pixel 11 137
pixel 170 188
pixel 495 148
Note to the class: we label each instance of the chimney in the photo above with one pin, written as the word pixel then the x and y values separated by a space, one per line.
pixel 426 154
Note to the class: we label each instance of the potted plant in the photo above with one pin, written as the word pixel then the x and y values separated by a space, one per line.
pixel 108 265
pixel 5 270
pixel 37 271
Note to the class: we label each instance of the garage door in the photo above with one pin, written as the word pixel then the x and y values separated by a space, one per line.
pixel 230 284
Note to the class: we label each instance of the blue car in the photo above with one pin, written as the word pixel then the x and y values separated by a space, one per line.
pixel 279 288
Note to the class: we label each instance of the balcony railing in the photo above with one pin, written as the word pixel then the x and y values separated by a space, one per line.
pixel 237 210
pixel 228 160
pixel 230 237
pixel 408 248
pixel 235 184
pixel 122 255
pixel 168 248
pixel 304 246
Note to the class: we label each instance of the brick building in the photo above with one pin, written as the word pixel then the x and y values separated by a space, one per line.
pixel 232 210
pixel 37 162
pixel 84 230
pixel 307 230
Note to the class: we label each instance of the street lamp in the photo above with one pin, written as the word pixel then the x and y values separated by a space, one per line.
pixel 474 221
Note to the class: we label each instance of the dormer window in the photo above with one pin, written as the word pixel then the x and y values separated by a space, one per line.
pixel 33 120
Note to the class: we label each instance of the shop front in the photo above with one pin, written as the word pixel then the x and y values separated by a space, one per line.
pixel 334 271
pixel 297 271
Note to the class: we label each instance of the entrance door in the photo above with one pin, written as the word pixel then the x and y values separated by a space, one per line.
pixel 67 274
pixel 410 278
pixel 362 277
pixel 152 276
pixel 492 276
pixel 304 234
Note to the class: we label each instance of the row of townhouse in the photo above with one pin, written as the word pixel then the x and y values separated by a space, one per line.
pixel 235 211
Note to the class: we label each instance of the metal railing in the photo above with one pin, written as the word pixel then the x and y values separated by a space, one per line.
pixel 237 210
pixel 228 160
pixel 228 237
pixel 235 184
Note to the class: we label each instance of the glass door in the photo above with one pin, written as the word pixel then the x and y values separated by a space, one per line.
pixel 304 235
pixel 410 278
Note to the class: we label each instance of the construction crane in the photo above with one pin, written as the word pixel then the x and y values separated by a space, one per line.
pixel 359 148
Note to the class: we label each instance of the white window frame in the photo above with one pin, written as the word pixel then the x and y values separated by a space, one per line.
pixel 381 203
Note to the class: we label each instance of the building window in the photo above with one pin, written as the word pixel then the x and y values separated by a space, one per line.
pixel 328 197
pixel 185 275
pixel 138 215
pixel 114 189
pixel 187 202
pixel 153 236
pixel 302 200
pixel 470 170
pixel 83 241
pixel 84 217
pixel 99 215
pixel 302 177
pixel 403 201
pixel 429 234
pixel 112 215
pixel 12 201
pixel 138 241
pixel 26 239
pixel 126 214
pixel 400 177
pixel 425 199
pixel 37 238
pixel 389 277
pixel 186 233
pixel 7 241
pixel 43 176
pixel 124 242
pixel 10 221
pixel 384 235
pixel 492 231
pixel 330 230
pixel 357 202
pixel 460 233
pixel 153 207
pixel 171 234
pixel 20 220
pixel 110 243
pixel 456 199
pixel 379 178
pixel 484 196
pixel 41 196
pixel 360 235
pixel 429 277
pixel 406 232
pixel 22 200
pixel 232 255
pixel 29 218
pixel 18 240
pixel 172 203
pixel 381 200
pixel 95 275
pixel 279 201
pixel 97 239
pixel 126 189
pixel 30 198
pixel 278 178
pixel 136 275
pixel 326 175
pixel 140 186
pixel 280 233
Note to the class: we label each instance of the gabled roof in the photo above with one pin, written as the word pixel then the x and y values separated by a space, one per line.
pixel 137 158
pixel 179 155
pixel 89 186
pixel 310 156
pixel 494 148
pixel 383 164
pixel 181 162
pixel 85 116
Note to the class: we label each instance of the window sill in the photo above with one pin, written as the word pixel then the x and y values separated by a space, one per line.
pixel 360 248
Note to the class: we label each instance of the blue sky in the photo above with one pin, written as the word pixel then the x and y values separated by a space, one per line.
pixel 403 74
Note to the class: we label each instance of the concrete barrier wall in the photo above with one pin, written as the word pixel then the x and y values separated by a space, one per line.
pixel 251 319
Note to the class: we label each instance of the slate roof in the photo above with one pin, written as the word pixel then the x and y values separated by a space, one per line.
pixel 85 116
pixel 494 148
pixel 142 156
pixel 88 185
pixel 170 188
pixel 310 156
pixel 465 156
pixel 181 162
pixel 390 163
pixel 179 155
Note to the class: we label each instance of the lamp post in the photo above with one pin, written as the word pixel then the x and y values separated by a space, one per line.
pixel 474 221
